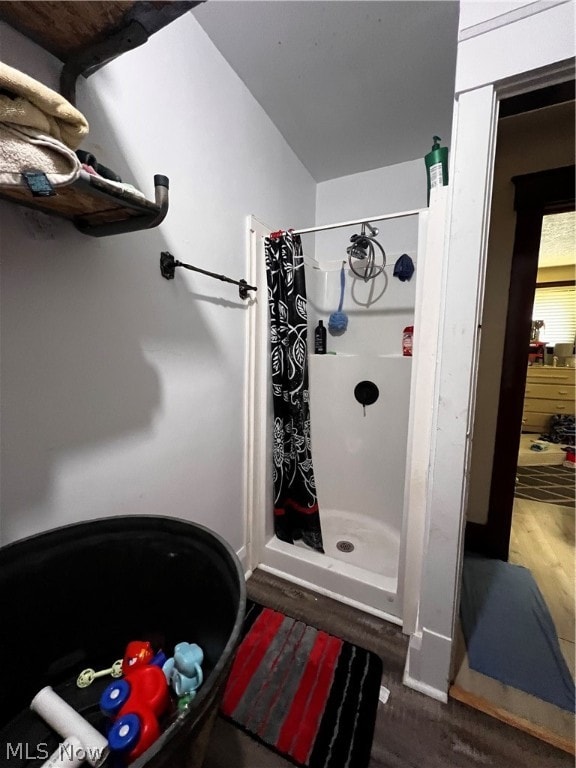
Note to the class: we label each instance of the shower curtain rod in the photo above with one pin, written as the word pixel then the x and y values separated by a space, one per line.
pixel 366 220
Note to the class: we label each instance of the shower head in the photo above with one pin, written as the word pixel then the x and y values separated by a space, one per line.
pixel 364 248
pixel 359 248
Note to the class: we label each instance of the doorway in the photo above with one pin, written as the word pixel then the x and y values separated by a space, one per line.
pixel 537 194
pixel 533 175
pixel 529 187
pixel 548 408
pixel 542 525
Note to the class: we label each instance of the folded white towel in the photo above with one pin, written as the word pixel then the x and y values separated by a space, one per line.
pixel 31 104
pixel 26 149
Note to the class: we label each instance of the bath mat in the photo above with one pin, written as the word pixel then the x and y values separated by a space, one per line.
pixel 509 633
pixel 309 696
pixel 548 483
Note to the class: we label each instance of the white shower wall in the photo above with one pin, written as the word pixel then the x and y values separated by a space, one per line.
pixel 359 453
pixel 377 311
pixel 360 458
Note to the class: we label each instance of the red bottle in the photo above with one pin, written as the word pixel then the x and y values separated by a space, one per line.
pixel 407 335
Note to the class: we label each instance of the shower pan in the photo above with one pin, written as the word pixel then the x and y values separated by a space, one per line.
pixel 360 396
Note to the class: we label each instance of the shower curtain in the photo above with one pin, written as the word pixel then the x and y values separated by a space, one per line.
pixel 296 514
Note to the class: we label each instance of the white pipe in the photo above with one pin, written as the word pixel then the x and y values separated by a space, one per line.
pixel 68 723
pixel 70 754
pixel 365 220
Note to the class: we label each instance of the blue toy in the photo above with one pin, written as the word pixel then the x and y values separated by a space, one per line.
pixel 183 671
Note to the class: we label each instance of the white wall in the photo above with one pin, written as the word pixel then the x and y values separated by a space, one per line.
pixel 123 393
pixel 389 189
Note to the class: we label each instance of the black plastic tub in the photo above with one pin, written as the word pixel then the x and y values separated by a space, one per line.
pixel 73 597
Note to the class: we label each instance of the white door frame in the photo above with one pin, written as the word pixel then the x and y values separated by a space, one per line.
pixel 257 398
pixel 515 65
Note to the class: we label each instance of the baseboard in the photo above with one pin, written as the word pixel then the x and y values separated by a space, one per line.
pixel 428 690
pixel 427 653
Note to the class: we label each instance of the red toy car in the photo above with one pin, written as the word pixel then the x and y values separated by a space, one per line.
pixel 136 701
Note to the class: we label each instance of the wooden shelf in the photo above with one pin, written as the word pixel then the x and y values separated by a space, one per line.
pixel 68 29
pixel 64 28
pixel 86 36
pixel 96 207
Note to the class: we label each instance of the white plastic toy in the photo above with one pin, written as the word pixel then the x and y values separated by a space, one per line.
pixel 70 725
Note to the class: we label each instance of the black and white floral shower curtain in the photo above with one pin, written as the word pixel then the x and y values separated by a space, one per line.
pixel 296 514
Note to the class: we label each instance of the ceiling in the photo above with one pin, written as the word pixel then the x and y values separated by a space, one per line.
pixel 351 85
pixel 558 241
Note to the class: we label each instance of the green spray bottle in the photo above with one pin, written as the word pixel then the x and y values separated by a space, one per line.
pixel 436 166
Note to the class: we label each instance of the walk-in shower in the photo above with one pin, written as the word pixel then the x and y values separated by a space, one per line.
pixel 360 395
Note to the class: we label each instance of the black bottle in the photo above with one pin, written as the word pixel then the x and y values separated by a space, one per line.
pixel 320 339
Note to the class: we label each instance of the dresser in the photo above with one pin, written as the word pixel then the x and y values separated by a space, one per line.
pixel 548 391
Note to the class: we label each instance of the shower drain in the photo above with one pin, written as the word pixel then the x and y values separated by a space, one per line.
pixel 345 546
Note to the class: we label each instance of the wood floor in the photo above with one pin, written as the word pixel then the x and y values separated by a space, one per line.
pixel 542 539
pixel 412 730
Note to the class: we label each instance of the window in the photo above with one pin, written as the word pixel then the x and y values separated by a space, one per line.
pixel 556 306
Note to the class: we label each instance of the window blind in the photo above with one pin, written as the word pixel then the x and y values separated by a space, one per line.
pixel 557 307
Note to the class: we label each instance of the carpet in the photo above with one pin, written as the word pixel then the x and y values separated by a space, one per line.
pixel 509 633
pixel 307 695
pixel 550 484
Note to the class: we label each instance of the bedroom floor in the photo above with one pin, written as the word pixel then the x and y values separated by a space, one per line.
pixel 527 457
pixel 542 539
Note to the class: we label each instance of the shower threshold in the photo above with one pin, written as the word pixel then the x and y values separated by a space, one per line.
pixel 368 591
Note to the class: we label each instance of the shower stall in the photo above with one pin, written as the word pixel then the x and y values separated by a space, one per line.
pixel 360 405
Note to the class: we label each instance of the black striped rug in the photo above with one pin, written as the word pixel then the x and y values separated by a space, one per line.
pixel 309 696
pixel 549 483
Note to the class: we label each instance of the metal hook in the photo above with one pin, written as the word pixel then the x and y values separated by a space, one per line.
pixel 373 230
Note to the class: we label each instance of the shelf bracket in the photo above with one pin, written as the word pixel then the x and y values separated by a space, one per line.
pixel 141 21
pixel 168 266
pixel 134 223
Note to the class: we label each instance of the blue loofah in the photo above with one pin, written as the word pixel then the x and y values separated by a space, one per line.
pixel 338 321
